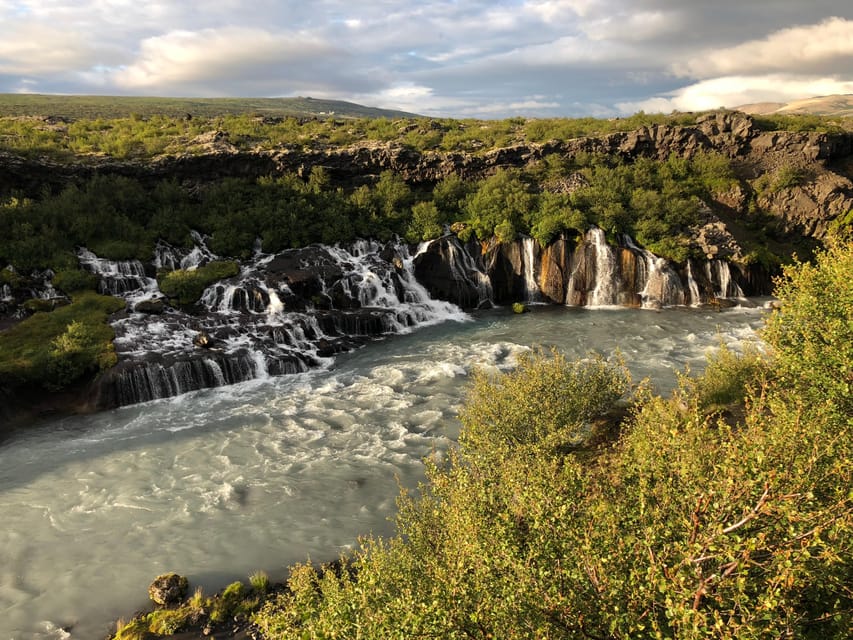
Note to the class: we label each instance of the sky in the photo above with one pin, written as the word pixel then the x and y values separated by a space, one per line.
pixel 449 58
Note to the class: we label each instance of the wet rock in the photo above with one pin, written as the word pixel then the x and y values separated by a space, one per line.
pixel 154 306
pixel 168 589
pixel 449 272
pixel 203 340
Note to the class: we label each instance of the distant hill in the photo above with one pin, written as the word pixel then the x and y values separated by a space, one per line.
pixel 835 105
pixel 74 107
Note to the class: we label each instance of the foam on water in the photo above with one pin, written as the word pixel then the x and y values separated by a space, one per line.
pixel 221 482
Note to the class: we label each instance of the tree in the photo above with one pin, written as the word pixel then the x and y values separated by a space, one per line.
pixel 500 198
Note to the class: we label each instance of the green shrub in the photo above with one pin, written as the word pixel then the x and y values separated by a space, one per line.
pixel 167 622
pixel 229 603
pixel 260 581
pixel 55 349
pixel 812 333
pixel 728 377
pixel 187 286
pixel 72 280
pixel 547 402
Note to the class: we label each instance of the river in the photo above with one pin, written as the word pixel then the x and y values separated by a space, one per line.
pixel 218 483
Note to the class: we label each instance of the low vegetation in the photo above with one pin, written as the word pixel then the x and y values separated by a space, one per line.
pixel 121 218
pixel 54 349
pixel 138 128
pixel 236 603
pixel 186 286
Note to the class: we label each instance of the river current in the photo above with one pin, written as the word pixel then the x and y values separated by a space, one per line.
pixel 219 483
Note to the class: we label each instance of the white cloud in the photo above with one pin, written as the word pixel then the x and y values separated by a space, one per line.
pixel 732 91
pixel 801 48
pixel 636 26
pixel 550 10
pixel 442 57
pixel 215 56
pixel 34 49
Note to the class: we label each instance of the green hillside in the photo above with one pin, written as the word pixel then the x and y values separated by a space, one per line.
pixel 75 107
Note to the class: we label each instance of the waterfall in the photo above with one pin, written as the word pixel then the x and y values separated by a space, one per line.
pixel 720 276
pixel 288 312
pixel 249 296
pixel 6 293
pixel 118 278
pixel 604 293
pixel 267 320
pixel 531 288
pixel 693 287
pixel 144 381
pixel 661 285
pixel 168 257
pixel 465 269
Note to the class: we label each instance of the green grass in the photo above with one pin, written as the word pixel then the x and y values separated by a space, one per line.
pixel 108 107
pixel 56 348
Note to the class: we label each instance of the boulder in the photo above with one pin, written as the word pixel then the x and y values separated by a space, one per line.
pixel 168 589
pixel 154 306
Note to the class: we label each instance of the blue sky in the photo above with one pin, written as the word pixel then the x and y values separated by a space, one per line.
pixel 534 58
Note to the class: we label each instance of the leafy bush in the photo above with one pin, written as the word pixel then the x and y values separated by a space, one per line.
pixel 546 402
pixel 72 280
pixel 812 332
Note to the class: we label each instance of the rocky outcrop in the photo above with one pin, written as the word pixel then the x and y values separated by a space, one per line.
pixel 809 208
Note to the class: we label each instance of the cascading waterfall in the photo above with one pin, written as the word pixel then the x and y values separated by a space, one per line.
pixel 531 288
pixel 117 278
pixel 604 293
pixel 661 286
pixel 692 286
pixel 465 269
pixel 255 326
pixel 719 274
pixel 291 311
pixel 168 257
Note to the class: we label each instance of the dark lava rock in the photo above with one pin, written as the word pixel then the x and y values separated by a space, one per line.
pixel 168 589
pixel 203 340
pixel 152 305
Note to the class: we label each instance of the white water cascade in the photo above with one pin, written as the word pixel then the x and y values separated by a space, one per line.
pixel 693 287
pixel 661 286
pixel 124 279
pixel 719 273
pixel 465 269
pixel 254 325
pixel 168 257
pixel 531 288
pixel 604 293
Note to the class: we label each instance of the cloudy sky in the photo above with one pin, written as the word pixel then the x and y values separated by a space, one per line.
pixel 456 58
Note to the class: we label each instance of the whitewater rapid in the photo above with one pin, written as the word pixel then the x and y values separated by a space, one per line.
pixel 218 483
